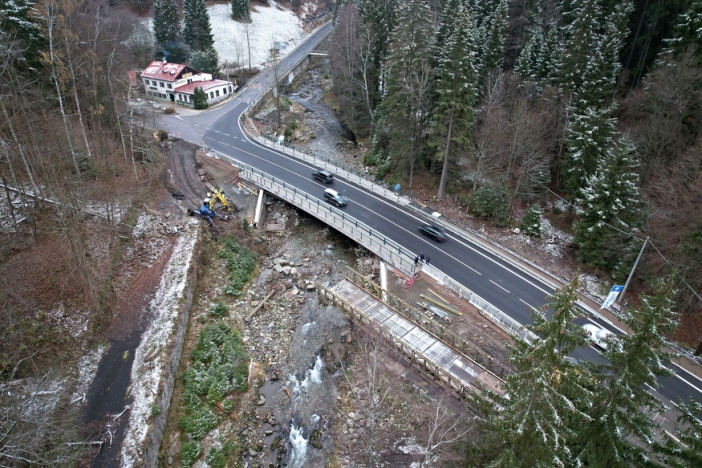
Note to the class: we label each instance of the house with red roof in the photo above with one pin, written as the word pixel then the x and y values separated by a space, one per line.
pixel 176 82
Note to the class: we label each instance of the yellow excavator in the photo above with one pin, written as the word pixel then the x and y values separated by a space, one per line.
pixel 218 195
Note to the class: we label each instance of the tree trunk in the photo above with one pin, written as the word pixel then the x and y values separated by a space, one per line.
pixel 114 103
pixel 444 171
pixel 131 132
pixel 50 19
pixel 20 150
pixel 78 109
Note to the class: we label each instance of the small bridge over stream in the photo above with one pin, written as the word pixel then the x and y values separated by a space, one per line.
pixel 439 353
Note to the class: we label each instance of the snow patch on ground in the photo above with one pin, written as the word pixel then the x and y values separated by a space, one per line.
pixel 145 224
pixel 146 374
pixel 554 240
pixel 112 211
pixel 593 285
pixel 75 322
pixel 87 368
pixel 268 24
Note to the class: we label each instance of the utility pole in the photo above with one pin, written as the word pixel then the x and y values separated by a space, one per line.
pixel 632 271
pixel 276 57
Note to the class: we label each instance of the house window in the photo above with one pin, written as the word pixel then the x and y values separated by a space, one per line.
pixel 211 95
pixel 190 80
pixel 161 84
pixel 230 89
pixel 217 93
pixel 224 91
pixel 169 86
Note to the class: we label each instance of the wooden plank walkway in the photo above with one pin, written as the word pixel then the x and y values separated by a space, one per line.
pixel 463 372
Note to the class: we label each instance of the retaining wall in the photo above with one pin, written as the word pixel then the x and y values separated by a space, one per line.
pixel 158 355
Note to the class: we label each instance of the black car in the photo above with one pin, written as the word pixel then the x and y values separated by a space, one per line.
pixel 334 197
pixel 325 176
pixel 432 231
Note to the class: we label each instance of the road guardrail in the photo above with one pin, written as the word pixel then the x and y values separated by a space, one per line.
pixel 387 249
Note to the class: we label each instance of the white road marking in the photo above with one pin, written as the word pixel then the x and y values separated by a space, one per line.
pixel 689 383
pixel 527 304
pixel 362 206
pixel 686 371
pixel 500 287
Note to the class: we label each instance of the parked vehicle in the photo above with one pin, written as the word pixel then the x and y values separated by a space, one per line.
pixel 334 197
pixel 324 176
pixel 597 335
pixel 433 232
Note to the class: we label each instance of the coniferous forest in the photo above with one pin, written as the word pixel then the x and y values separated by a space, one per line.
pixel 588 108
pixel 591 103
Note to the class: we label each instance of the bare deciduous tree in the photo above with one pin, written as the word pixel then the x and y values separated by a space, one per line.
pixel 374 388
pixel 37 424
pixel 443 431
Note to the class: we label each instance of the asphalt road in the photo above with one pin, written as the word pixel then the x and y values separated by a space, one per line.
pixel 498 282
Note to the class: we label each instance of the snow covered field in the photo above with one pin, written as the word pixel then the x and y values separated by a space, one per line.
pixel 269 23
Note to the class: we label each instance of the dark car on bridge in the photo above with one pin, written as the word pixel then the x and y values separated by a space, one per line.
pixel 334 197
pixel 325 176
pixel 432 231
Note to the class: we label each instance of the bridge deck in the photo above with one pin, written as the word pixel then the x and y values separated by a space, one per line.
pixel 414 337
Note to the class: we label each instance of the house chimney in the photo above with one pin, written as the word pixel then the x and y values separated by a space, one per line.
pixel 164 59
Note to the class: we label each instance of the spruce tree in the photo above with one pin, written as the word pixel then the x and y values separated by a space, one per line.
pixel 197 31
pixel 581 57
pixel 20 30
pixel 492 203
pixel 408 73
pixel 380 18
pixel 455 87
pixel 199 99
pixel 684 449
pixel 447 25
pixel 589 64
pixel 206 61
pixel 686 33
pixel 614 33
pixel 167 30
pixel 547 60
pixel 241 10
pixel 589 134
pixel 526 64
pixel 546 399
pixel 493 50
pixel 531 221
pixel 610 204
pixel 622 424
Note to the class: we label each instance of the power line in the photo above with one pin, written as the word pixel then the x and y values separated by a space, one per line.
pixel 674 270
pixel 628 234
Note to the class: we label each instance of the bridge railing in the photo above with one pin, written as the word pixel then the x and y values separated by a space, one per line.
pixel 387 249
pixel 426 365
pixel 347 172
pixel 460 344
pixel 390 251
pixel 492 313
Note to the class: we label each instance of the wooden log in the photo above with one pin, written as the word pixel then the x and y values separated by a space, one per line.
pixel 270 294
pixel 437 303
pixel 434 293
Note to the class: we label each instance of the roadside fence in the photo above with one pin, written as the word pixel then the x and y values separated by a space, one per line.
pixel 492 313
pixel 347 172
